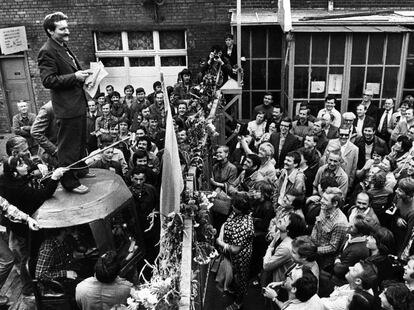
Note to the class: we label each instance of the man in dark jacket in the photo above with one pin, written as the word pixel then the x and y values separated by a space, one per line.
pixel 367 143
pixel 283 142
pixel 61 72
pixel 44 131
pixel 92 115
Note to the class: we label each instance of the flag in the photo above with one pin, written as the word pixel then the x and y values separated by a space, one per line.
pixel 172 183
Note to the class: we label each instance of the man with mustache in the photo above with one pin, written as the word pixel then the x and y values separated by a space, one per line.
pixel 61 72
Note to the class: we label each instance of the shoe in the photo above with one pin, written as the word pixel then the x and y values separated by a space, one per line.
pixel 89 175
pixel 3 300
pixel 81 189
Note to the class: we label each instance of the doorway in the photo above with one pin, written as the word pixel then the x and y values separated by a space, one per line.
pixel 16 82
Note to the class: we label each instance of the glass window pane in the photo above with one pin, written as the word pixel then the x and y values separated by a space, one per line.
pixel 356 84
pixel 259 74
pixel 411 46
pixel 409 74
pixel 318 74
pixel 337 49
pixel 316 105
pixel 394 49
pixel 109 41
pixel 140 40
pixel 301 83
pixel 374 75
pixel 246 75
pixel 302 43
pixel 245 41
pixel 258 42
pixel 257 98
pixel 112 61
pixel 319 48
pixel 246 105
pixel 142 61
pixel 173 61
pixel 172 40
pixel 352 104
pixel 359 46
pixel 389 89
pixel 336 88
pixel 275 72
pixel 376 48
pixel 275 42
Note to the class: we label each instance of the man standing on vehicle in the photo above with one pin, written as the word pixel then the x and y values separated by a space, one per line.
pixel 61 72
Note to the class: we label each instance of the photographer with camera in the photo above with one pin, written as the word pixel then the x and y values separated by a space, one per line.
pixel 218 64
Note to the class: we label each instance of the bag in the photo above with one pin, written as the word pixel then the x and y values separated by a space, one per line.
pixel 222 202
pixel 223 268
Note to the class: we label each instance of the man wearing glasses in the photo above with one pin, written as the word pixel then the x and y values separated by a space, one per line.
pixel 349 153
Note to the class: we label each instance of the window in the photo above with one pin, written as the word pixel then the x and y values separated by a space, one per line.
pixel 409 71
pixel 137 57
pixel 318 56
pixel 262 48
pixel 375 64
pixel 356 61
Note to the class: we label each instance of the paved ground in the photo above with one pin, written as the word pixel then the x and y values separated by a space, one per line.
pixel 215 300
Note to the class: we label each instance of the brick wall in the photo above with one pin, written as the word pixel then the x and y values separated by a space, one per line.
pixel 205 22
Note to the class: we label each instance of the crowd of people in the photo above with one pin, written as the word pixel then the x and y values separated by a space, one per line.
pixel 322 206
pixel 318 210
pixel 121 133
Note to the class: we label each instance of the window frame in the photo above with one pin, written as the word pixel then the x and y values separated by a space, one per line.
pixel 157 52
pixel 347 66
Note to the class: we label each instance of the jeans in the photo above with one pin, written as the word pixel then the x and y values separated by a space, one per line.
pixel 6 261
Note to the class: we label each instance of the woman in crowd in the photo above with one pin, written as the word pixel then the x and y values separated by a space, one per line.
pixel 278 257
pixel 236 240
pixel 381 243
pixel 262 214
pixel 400 153
pixel 271 128
pixel 267 168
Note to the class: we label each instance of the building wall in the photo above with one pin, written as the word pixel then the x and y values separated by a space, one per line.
pixel 206 23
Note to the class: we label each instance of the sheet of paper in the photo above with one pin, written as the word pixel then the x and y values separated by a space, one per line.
pixel 335 84
pixel 375 87
pixel 317 87
pixel 92 81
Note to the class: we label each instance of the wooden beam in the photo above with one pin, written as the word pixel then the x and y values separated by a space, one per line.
pixel 186 262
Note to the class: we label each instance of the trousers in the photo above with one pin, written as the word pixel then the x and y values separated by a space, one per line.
pixel 71 147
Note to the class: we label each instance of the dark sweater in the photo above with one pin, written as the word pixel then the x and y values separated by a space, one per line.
pixel 25 197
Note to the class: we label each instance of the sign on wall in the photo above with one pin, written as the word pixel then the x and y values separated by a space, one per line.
pixel 13 40
pixel 335 84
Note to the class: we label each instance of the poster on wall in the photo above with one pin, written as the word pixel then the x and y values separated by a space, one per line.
pixel 317 87
pixel 375 87
pixel 13 40
pixel 335 84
